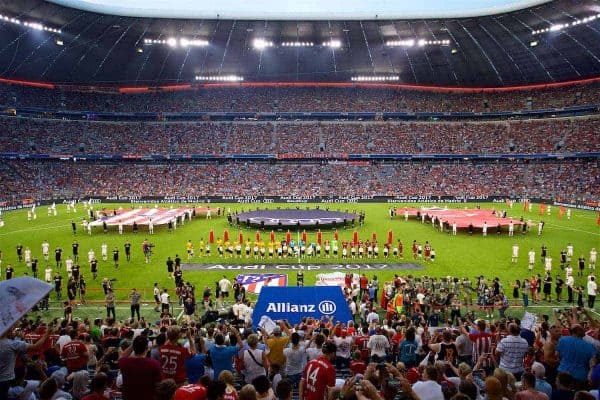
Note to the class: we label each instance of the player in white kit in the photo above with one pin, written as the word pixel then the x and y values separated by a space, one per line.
pixel 45 250
pixel 454 228
pixel 515 253
pixel 511 228
pixel 593 256
pixel 104 251
pixel 569 252
pixel 531 256
pixel 484 230
pixel 548 264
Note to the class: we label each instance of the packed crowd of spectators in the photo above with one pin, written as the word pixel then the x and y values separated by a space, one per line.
pixel 412 338
pixel 42 136
pixel 566 180
pixel 301 99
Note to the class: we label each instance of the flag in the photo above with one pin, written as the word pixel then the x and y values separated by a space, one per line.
pixel 254 282
pixel 257 236
pixel 211 236
pixel 226 235
pixel 561 212
pixel 542 209
pixel 319 236
pixel 304 236
pixel 241 237
pixel 17 297
pixel 390 237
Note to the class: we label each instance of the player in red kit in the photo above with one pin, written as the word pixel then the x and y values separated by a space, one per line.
pixel 318 376
pixel 173 355
pixel 427 251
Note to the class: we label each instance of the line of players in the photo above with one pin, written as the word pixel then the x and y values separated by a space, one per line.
pixel 292 249
pixel 71 263
pixel 566 256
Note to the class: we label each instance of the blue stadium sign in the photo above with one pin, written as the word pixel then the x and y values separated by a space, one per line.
pixel 294 303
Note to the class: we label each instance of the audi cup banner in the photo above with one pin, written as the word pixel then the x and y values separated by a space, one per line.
pixel 295 303
pixel 335 279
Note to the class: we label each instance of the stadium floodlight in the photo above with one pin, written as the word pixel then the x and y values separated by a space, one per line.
pixel 59 42
pixel 261 44
pixel 375 78
pixel 333 43
pixel 560 27
pixel 403 43
pixel 533 44
pixel 220 78
pixel 38 26
pixel 172 42
pixel 175 42
pixel 297 44
pixel 419 42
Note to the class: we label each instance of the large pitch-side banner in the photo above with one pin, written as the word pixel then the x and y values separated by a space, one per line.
pixel 295 303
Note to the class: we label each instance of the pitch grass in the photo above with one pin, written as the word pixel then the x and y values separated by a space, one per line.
pixel 458 256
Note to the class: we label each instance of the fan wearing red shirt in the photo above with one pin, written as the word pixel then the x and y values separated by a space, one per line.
pixel 140 374
pixel 75 353
pixel 318 376
pixel 357 366
pixel 98 387
pixel 482 340
pixel 173 355
pixel 360 342
pixel 190 392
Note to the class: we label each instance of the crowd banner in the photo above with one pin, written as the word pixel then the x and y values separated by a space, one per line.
pixel 294 303
pixel 319 201
pixel 335 279
pixel 18 296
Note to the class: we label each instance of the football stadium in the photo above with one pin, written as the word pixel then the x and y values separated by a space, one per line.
pixel 299 200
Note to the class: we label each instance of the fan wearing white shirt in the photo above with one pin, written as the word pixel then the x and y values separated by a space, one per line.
pixel 428 388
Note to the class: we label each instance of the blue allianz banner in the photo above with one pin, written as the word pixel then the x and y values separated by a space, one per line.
pixel 295 303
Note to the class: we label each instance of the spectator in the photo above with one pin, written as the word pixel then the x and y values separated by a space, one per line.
pixel 428 388
pixel 575 354
pixel 528 390
pixel 512 350
pixel 141 375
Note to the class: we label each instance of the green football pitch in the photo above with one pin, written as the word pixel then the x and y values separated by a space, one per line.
pixel 458 256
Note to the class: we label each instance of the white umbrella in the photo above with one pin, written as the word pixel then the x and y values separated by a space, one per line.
pixel 17 297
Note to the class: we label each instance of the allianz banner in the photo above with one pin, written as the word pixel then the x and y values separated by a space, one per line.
pixel 295 303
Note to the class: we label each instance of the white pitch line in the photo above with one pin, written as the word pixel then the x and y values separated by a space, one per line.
pixel 42 228
pixel 561 227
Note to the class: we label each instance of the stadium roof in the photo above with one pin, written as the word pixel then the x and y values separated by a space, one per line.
pixel 552 42
pixel 300 10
